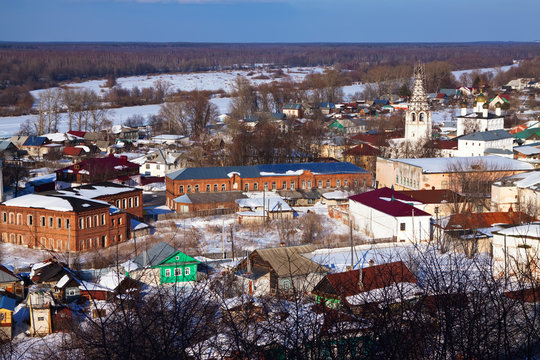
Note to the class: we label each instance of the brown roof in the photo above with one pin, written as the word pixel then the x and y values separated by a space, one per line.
pixel 289 261
pixel 486 220
pixel 436 196
pixel 374 277
pixel 363 149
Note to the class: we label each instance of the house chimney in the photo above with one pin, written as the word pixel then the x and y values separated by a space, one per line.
pixel 145 260
pixel 361 278
pixel 124 159
pixel 15 267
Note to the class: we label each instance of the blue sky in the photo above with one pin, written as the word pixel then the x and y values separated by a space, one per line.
pixel 270 20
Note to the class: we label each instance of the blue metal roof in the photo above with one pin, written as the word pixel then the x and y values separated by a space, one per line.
pixel 7 303
pixel 327 105
pixel 35 141
pixel 256 170
pixel 279 116
pixel 292 106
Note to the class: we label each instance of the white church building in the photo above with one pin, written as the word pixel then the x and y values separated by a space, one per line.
pixel 480 119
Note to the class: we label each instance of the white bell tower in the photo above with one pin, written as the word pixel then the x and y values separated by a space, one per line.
pixel 418 116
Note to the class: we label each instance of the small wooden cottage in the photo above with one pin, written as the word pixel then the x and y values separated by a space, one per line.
pixel 163 264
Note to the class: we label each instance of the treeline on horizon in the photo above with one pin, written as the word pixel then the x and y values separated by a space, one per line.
pixel 39 65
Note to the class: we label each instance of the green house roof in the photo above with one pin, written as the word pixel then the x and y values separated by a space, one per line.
pixel 182 259
pixel 527 133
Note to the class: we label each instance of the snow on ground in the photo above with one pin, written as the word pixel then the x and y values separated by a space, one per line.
pixel 350 90
pixel 23 257
pixel 494 70
pixel 212 80
pixel 446 114
pixel 223 104
pixel 247 237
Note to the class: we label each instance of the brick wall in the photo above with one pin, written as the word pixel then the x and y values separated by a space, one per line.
pixel 48 229
pixel 306 181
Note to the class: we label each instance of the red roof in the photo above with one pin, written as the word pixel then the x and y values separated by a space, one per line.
pixel 441 96
pixel 445 144
pixel 389 201
pixel 77 133
pixel 486 220
pixel 377 139
pixel 152 179
pixel 101 166
pixel 363 149
pixel 72 151
pixel 517 129
pixel 434 196
pixel 531 295
pixel 373 277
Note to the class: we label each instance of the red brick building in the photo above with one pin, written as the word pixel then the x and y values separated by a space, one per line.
pixel 61 222
pixel 125 198
pixel 270 177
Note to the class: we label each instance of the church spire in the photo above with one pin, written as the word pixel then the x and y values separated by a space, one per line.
pixel 418 116
pixel 419 97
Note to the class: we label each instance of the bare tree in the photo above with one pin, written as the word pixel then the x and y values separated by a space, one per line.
pixel 49 112
pixel 245 99
pixel 173 113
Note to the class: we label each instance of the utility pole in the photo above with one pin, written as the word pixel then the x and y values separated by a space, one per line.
pixel 224 255
pixel 232 240
pixel 351 239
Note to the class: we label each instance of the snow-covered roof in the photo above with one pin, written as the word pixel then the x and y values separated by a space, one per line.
pixel 336 195
pixel 458 164
pixel 393 293
pixel 527 149
pixel 97 190
pixel 528 230
pixel 523 180
pixel 111 280
pixel 40 201
pixel 270 203
pixel 56 202
pixel 62 282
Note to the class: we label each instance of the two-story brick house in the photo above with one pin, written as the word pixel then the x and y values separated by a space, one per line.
pixel 61 222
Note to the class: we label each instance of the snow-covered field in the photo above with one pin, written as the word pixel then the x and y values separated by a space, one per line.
pixel 212 80
pixel 494 70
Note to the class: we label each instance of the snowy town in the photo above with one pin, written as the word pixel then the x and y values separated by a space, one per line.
pixel 255 213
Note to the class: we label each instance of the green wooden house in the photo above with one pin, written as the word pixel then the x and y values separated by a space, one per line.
pixel 178 268
pixel 166 265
